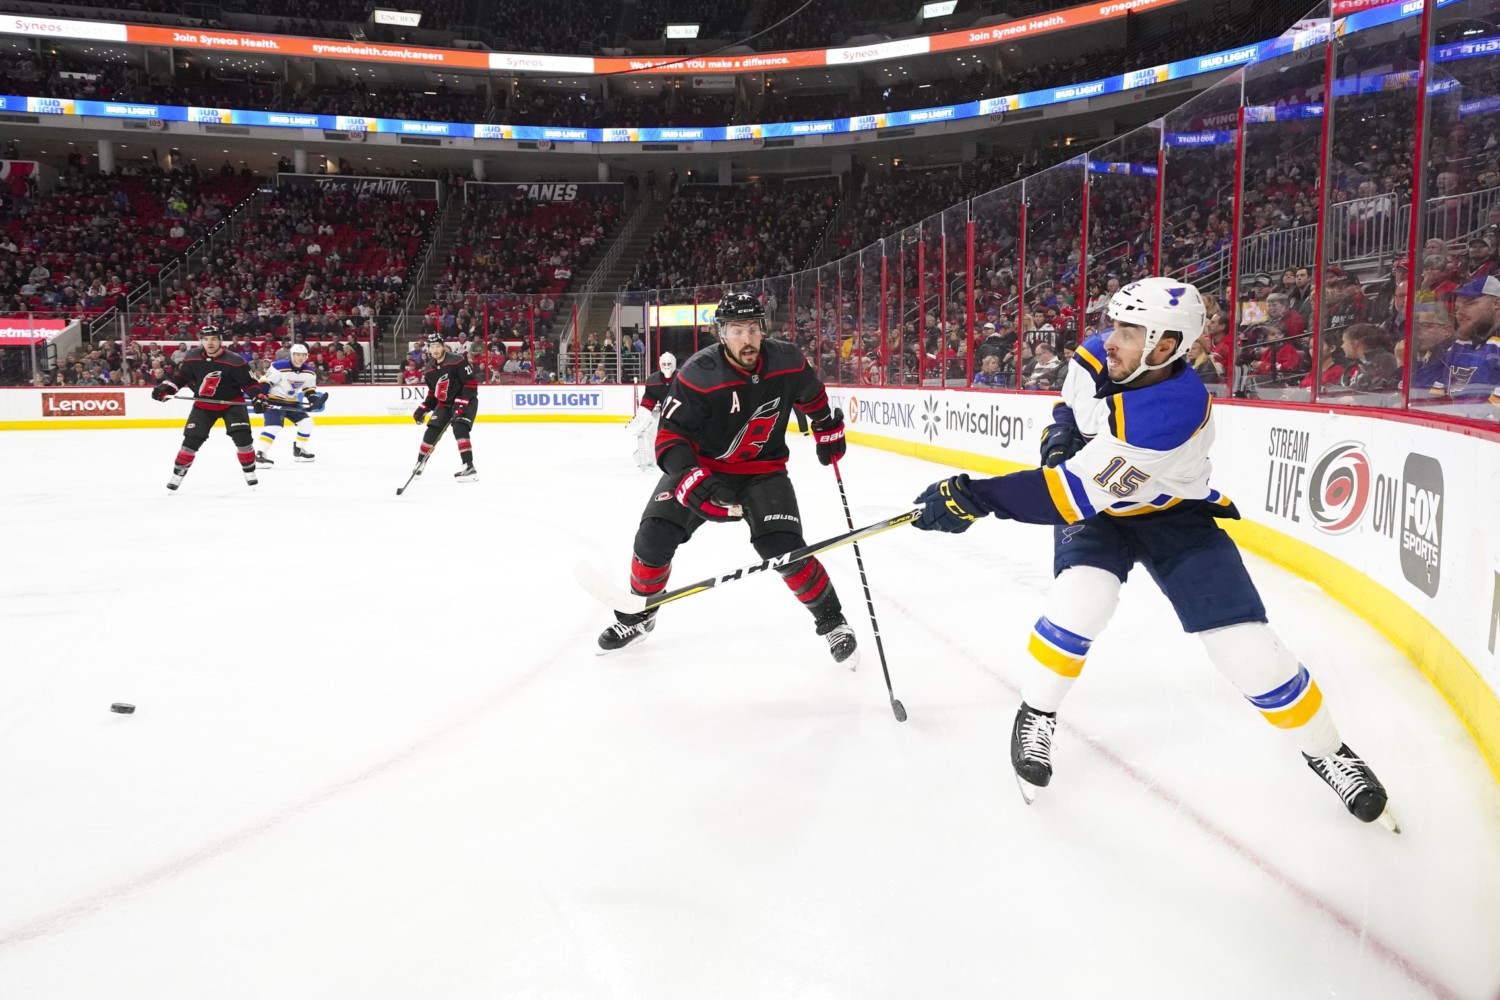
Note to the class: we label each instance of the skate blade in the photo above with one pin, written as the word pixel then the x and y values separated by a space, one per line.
pixel 1388 821
pixel 1028 790
pixel 852 662
pixel 466 479
pixel 301 459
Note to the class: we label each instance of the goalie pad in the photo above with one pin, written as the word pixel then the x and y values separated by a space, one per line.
pixel 645 441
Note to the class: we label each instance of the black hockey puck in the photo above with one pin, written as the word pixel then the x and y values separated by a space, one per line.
pixel 123 708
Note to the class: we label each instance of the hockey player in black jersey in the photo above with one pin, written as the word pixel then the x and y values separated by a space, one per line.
pixel 643 425
pixel 452 399
pixel 722 451
pixel 214 373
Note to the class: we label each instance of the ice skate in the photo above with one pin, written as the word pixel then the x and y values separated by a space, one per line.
pixel 1031 750
pixel 179 472
pixel 250 477
pixel 301 454
pixel 468 474
pixel 842 644
pixel 627 630
pixel 261 461
pixel 1354 781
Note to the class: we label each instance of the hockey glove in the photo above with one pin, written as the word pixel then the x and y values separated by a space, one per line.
pixel 703 494
pixel 461 407
pixel 829 437
pixel 950 505
pixel 316 401
pixel 420 413
pixel 1061 440
pixel 164 392
pixel 258 404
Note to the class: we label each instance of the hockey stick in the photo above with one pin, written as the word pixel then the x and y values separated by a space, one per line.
pixel 422 462
pixel 244 402
pixel 859 560
pixel 611 596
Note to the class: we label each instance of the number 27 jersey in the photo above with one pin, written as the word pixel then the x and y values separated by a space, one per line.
pixel 729 420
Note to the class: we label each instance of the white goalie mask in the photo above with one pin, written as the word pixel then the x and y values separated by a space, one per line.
pixel 1161 306
pixel 668 363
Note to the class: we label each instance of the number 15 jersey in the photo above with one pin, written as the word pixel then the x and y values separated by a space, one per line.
pixel 729 420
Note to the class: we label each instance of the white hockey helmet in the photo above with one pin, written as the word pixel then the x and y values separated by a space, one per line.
pixel 1161 306
pixel 297 349
pixel 668 363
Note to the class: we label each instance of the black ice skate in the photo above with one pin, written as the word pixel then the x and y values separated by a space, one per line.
pixel 627 629
pixel 468 474
pixel 261 461
pixel 178 472
pixel 1363 794
pixel 250 477
pixel 1031 750
pixel 841 642
pixel 301 454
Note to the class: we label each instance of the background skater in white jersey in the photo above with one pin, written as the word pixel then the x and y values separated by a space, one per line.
pixel 293 384
pixel 643 425
pixel 1125 477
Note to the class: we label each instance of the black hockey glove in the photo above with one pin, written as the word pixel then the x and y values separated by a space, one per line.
pixel 950 505
pixel 1061 441
pixel 420 413
pixel 164 392
pixel 461 408
pixel 699 491
pixel 258 404
pixel 316 401
pixel 829 436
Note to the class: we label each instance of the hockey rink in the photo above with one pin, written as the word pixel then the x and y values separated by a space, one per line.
pixel 375 756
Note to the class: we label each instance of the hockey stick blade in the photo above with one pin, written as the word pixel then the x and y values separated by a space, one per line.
pixel 612 596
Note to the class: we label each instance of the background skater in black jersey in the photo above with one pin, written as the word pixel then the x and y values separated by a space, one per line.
pixel 722 451
pixel 213 373
pixel 452 398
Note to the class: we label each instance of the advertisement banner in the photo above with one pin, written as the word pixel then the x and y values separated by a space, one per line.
pixel 18 331
pixel 681 314
pixel 1386 497
pixel 83 403
pixel 557 399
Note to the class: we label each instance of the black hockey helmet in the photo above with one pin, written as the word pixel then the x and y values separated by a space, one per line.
pixel 209 330
pixel 738 305
pixel 433 337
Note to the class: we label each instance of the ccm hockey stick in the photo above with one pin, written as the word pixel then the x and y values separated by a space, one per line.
pixel 859 560
pixel 612 596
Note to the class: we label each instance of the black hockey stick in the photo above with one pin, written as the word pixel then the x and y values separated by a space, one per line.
pixel 422 462
pixel 859 560
pixel 612 596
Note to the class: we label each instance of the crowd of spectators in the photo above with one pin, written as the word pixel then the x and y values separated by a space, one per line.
pixel 503 284
pixel 145 363
pixel 320 265
pixel 714 235
pixel 95 240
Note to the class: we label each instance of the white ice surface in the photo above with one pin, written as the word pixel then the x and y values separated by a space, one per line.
pixel 376 756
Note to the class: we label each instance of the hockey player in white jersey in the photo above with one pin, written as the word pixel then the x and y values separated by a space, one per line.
pixel 1125 479
pixel 294 384
pixel 643 424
